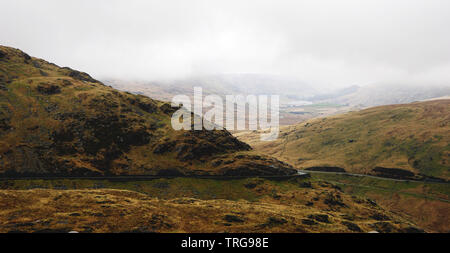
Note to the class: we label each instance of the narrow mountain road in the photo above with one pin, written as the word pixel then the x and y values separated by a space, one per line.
pixel 143 178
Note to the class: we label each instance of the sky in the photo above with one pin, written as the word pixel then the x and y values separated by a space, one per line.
pixel 328 43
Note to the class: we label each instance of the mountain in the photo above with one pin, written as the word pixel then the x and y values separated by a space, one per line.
pixel 407 141
pixel 335 93
pixel 289 89
pixel 61 122
pixel 384 94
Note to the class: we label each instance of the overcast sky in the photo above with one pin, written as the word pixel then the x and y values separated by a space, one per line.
pixel 330 42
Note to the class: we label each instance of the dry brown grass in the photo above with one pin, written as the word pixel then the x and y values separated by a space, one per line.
pixel 412 137
pixel 126 211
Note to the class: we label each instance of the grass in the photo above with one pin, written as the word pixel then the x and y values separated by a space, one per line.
pixel 427 204
pixel 61 121
pixel 412 137
pixel 186 205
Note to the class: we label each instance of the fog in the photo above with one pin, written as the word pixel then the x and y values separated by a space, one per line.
pixel 325 42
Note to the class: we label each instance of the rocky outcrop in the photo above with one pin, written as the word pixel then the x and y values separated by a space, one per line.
pixel 48 89
pixel 255 165
pixel 82 76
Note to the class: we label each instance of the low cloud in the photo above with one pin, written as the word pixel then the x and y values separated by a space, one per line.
pixel 325 42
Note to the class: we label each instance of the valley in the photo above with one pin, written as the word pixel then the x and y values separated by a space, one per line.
pixel 406 141
pixel 79 155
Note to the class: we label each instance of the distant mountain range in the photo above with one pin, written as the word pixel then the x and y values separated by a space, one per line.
pixel 383 94
pixel 289 89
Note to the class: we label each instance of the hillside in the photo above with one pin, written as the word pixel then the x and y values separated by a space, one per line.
pixel 190 205
pixel 410 141
pixel 61 122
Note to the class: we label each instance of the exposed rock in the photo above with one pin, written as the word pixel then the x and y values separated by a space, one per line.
pixel 274 221
pixel 168 109
pixel 379 216
pixel 309 222
pixel 147 106
pixel 334 200
pixel 163 148
pixel 66 82
pixel 253 168
pixel 4 122
pixel 383 227
pixel 79 75
pixel 319 217
pixel 43 73
pixel 48 89
pixel 233 218
pixel 26 56
pixel 372 202
pixel 352 226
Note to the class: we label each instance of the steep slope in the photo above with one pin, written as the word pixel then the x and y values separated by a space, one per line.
pixel 410 141
pixel 59 121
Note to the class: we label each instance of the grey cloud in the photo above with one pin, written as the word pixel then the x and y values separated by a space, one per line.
pixel 325 42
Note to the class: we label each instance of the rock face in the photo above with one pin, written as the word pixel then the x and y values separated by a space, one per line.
pixel 61 122
pixel 255 165
pixel 48 89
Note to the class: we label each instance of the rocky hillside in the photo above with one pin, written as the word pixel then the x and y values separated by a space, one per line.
pixel 193 205
pixel 61 122
pixel 407 141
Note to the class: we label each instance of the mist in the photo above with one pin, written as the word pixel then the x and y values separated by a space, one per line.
pixel 326 43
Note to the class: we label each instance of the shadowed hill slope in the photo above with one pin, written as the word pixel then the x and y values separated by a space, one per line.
pixel 59 121
pixel 408 141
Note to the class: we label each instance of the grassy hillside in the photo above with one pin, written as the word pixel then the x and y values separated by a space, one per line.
pixel 190 205
pixel 411 137
pixel 427 204
pixel 59 121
